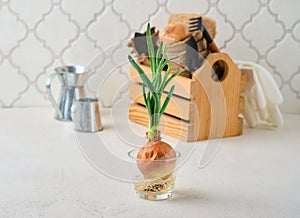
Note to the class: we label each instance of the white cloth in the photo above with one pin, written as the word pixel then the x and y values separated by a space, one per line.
pixel 262 96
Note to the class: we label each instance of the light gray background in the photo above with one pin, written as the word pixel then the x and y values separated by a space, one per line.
pixel 38 35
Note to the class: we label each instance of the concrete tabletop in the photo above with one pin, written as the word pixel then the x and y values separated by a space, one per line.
pixel 43 173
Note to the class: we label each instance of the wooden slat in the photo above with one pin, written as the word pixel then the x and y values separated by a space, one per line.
pixel 241 105
pixel 178 107
pixel 183 85
pixel 236 128
pixel 244 72
pixel 169 125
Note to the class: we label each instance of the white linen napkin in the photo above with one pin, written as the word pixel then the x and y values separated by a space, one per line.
pixel 262 96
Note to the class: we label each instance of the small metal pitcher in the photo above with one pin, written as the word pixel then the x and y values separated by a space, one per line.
pixel 72 79
pixel 86 115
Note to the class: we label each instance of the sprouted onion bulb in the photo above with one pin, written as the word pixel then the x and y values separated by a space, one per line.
pixel 156 159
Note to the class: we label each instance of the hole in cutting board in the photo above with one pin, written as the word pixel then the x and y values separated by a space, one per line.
pixel 219 71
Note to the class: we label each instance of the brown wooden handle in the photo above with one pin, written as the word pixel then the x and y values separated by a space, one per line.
pixel 219 67
pixel 213 47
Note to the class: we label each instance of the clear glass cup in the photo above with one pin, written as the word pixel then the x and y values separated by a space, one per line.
pixel 157 178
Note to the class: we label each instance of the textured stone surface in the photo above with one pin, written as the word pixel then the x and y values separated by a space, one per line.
pixel 44 174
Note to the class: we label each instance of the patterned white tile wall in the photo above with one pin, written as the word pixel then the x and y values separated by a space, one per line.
pixel 36 36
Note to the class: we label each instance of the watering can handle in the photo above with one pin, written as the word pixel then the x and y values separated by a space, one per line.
pixel 50 95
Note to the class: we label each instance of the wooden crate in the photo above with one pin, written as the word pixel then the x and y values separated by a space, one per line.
pixel 201 108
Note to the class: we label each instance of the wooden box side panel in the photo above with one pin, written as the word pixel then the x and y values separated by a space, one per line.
pixel 218 102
